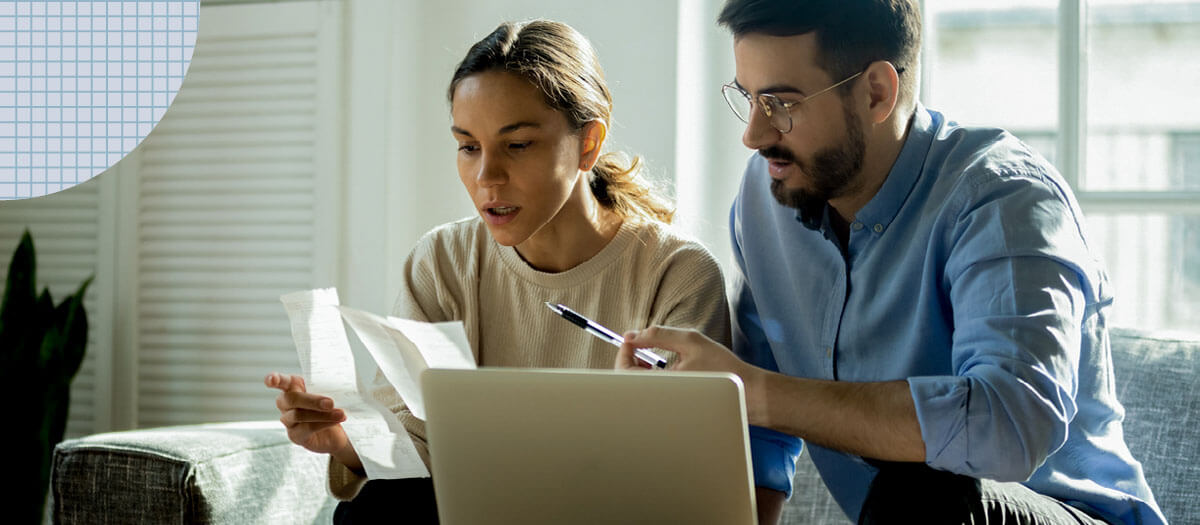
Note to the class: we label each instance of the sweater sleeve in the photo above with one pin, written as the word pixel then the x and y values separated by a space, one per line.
pixel 691 294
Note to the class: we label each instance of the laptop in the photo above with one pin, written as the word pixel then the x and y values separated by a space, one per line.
pixel 588 446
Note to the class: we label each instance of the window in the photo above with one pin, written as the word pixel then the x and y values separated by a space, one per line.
pixel 1185 229
pixel 1100 88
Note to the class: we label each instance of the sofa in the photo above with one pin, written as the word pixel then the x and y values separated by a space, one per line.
pixel 245 473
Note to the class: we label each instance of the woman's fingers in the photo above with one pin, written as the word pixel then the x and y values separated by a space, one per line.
pixel 293 394
pixel 285 382
pixel 301 433
pixel 304 401
pixel 300 417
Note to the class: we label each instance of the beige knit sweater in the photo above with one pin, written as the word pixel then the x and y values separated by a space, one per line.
pixel 646 275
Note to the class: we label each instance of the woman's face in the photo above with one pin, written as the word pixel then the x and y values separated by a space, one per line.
pixel 517 157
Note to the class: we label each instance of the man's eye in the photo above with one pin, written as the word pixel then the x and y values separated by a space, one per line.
pixel 519 145
pixel 469 148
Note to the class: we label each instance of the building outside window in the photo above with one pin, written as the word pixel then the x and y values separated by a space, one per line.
pixel 1102 89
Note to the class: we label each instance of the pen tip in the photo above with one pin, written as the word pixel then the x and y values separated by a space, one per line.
pixel 550 306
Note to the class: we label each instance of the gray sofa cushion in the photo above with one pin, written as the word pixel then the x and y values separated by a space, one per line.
pixel 219 473
pixel 811 502
pixel 1158 381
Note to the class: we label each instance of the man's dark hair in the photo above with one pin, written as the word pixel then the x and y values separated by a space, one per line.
pixel 850 34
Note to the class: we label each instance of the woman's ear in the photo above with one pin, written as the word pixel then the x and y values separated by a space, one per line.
pixel 592 141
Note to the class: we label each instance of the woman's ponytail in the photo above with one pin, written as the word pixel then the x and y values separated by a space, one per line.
pixel 618 184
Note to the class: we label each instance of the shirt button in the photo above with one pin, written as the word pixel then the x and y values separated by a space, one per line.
pixel 857 226
pixel 878 228
pixel 828 352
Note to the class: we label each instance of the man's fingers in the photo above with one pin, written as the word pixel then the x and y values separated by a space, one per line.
pixel 626 360
pixel 665 337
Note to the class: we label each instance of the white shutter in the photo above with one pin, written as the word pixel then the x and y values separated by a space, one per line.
pixel 231 210
pixel 65 232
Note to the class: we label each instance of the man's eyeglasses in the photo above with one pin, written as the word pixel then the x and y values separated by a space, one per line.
pixel 778 112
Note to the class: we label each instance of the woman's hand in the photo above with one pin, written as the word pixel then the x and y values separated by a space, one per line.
pixel 311 420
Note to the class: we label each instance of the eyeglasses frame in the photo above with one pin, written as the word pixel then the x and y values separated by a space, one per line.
pixel 764 99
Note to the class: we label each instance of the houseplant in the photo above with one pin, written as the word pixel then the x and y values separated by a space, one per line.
pixel 41 348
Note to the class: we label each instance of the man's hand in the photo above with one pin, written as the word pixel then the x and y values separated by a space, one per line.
pixel 696 352
pixel 311 420
pixel 874 420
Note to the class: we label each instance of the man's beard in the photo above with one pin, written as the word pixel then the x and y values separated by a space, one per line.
pixel 833 172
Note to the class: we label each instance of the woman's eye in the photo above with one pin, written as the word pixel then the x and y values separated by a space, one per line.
pixel 468 148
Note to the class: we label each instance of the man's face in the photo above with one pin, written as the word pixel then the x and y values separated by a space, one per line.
pixel 821 157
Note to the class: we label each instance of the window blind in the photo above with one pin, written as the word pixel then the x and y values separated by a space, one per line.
pixel 228 213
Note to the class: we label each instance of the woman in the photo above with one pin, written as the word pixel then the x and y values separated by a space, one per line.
pixel 557 221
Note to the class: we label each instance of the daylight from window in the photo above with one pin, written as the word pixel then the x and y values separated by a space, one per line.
pixel 993 63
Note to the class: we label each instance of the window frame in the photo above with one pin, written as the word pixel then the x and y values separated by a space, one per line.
pixel 1073 127
pixel 1071 152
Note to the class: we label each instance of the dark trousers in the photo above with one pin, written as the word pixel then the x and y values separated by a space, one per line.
pixel 390 501
pixel 915 493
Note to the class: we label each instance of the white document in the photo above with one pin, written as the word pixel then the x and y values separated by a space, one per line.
pixel 403 349
pixel 382 443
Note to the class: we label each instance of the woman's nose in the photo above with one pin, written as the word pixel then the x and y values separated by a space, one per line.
pixel 491 172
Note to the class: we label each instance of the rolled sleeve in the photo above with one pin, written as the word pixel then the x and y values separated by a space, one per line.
pixel 1015 358
pixel 941 404
pixel 774 455
pixel 991 424
pixel 1011 399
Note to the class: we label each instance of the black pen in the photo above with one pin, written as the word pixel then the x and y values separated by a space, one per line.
pixel 596 329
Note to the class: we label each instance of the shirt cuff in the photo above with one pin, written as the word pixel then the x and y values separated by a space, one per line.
pixel 773 455
pixel 941 404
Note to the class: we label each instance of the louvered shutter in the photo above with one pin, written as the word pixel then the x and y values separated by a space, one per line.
pixel 230 212
pixel 65 237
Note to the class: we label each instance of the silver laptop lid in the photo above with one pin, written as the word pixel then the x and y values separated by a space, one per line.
pixel 586 446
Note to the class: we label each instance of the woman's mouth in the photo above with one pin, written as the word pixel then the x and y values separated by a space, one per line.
pixel 500 214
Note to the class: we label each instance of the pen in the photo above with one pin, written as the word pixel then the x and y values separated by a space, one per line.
pixel 596 329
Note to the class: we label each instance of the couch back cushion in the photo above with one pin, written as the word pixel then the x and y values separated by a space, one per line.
pixel 1158 381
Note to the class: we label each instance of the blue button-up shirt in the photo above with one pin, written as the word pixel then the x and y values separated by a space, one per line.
pixel 968 275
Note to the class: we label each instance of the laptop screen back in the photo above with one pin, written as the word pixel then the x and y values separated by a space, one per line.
pixel 584 446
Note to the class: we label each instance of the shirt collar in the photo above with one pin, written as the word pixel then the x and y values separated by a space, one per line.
pixel 883 207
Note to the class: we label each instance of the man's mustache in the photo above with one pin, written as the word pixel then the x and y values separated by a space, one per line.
pixel 777 154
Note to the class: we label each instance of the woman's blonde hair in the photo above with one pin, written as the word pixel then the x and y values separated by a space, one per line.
pixel 561 63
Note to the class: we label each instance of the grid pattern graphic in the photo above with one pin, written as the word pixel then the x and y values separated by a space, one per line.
pixel 82 83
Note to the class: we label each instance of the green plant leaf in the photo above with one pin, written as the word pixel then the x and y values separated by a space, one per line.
pixel 41 349
pixel 17 307
pixel 41 324
pixel 66 338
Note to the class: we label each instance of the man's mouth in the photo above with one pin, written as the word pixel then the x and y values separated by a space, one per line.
pixel 503 210
pixel 778 168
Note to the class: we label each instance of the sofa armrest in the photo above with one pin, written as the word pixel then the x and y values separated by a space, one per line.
pixel 215 473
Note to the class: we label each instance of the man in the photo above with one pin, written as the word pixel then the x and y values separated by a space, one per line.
pixel 917 300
